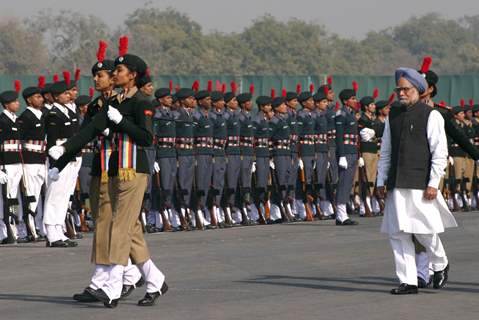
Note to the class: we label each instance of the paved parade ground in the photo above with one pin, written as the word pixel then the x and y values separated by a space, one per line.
pixel 295 271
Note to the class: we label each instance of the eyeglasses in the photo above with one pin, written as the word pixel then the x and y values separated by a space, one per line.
pixel 398 90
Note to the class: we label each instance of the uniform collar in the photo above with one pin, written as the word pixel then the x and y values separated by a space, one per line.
pixel 36 112
pixel 128 94
pixel 62 108
pixel 12 116
pixel 72 106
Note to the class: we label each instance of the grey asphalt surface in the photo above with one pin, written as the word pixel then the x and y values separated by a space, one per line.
pixel 295 271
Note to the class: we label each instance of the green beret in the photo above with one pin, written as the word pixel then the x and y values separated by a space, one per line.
pixel 143 81
pixel 345 94
pixel 46 88
pixel 132 62
pixel 58 88
pixel 366 101
pixel 82 100
pixel 106 65
pixel 184 93
pixel 263 100
pixel 243 97
pixel 277 102
pixel 319 96
pixel 229 96
pixel 162 92
pixel 216 96
pixel 202 94
pixel 291 95
pixel 30 91
pixel 305 95
pixel 458 109
pixel 8 96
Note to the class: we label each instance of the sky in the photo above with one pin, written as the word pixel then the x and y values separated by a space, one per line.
pixel 353 18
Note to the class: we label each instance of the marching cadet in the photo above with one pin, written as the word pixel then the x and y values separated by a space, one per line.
pixel 458 159
pixel 203 124
pixel 307 154
pixel 262 136
pixel 32 133
pixel 59 127
pixel 127 176
pixel 47 97
pixel 292 103
pixel 220 136
pixel 164 128
pixel 321 146
pixel 280 139
pixel 84 175
pixel 233 150
pixel 368 148
pixel 184 150
pixel 14 228
pixel 247 152
pixel 346 143
pixel 145 84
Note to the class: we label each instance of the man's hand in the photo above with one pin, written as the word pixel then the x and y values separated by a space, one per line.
pixel 430 193
pixel 381 192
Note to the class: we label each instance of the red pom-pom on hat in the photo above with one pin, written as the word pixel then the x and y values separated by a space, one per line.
pixel 375 93
pixel 273 93
pixel 170 85
pixel 223 88
pixel 101 53
pixel 17 84
pixel 283 92
pixel 426 64
pixel 311 87
pixel 56 78
pixel 123 46
pixel 41 82
pixel 391 98
pixel 77 74
pixel 210 85
pixel 355 86
pixel 251 89
pixel 298 88
pixel 462 103
pixel 234 87
pixel 67 77
pixel 329 80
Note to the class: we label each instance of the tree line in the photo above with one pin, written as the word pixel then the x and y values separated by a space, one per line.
pixel 173 44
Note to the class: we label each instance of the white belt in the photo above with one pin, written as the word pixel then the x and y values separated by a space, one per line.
pixel 11 147
pixel 34 147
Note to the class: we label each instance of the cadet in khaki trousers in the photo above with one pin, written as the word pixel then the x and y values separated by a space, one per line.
pixel 128 170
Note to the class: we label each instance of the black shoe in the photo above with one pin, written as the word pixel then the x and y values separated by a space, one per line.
pixel 150 298
pixel 440 278
pixel 421 283
pixel 102 297
pixel 151 229
pixel 57 244
pixel 128 289
pixel 405 288
pixel 347 222
pixel 85 296
pixel 71 243
pixel 24 240
pixel 79 235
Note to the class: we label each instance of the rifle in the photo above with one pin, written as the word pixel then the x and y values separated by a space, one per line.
pixel 330 190
pixel 9 217
pixel 28 215
pixel 365 190
pixel 308 199
pixel 166 221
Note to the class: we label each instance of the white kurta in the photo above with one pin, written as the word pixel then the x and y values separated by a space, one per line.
pixel 406 209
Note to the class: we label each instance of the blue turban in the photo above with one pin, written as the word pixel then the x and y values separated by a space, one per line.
pixel 416 79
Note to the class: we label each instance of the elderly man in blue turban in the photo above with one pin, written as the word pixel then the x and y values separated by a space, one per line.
pixel 412 163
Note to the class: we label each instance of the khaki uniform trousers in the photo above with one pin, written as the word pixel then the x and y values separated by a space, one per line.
pixel 126 235
pixel 101 212
pixel 464 169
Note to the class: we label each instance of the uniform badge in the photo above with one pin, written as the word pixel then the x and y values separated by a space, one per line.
pixel 148 113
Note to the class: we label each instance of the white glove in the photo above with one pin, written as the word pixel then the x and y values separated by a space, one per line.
pixel 253 167
pixel 54 174
pixel 451 161
pixel 367 134
pixel 271 164
pixel 328 165
pixel 114 115
pixel 56 152
pixel 3 177
pixel 300 164
pixel 106 132
pixel 343 163
pixel 156 167
pixel 361 162
pixel 314 165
